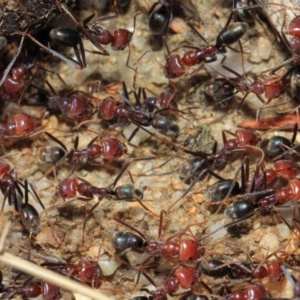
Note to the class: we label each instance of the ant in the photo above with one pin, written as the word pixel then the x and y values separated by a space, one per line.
pixel 158 108
pixel 11 189
pixel 184 277
pixel 140 114
pixel 98 36
pixel 69 187
pixel 45 289
pixel 224 188
pixel 231 33
pixel 22 125
pixel 14 84
pixel 85 271
pixel 218 90
pixel 110 149
pixel 249 293
pixel 74 107
pixel 217 268
pixel 275 146
pixel 196 169
pixel 272 87
pixel 243 139
pixel 283 195
pixel 160 15
pixel 186 249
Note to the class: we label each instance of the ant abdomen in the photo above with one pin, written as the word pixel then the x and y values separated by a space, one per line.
pixel 159 20
pixel 113 148
pixel 31 219
pixel 165 125
pixel 274 146
pixel 231 33
pixel 213 268
pixel 51 154
pixel 124 240
pixel 239 209
pixel 68 37
pixel 219 190
pixel 128 192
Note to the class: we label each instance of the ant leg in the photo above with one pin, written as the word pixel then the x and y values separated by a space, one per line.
pixel 131 228
pixel 294 133
pixel 80 55
pixel 87 215
pixel 224 135
pixel 152 54
pixel 191 75
pixel 198 34
pixel 134 132
pixel 103 19
pixel 130 67
pixel 56 140
pixel 54 53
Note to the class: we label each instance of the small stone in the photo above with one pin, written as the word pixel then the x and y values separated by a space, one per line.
pixel 269 243
pixel 264 48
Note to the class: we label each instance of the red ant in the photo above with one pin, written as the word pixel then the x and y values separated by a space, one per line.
pixel 272 87
pixel 243 139
pixel 74 107
pixel 290 192
pixel 231 33
pixel 275 146
pixel 216 268
pixel 47 290
pixel 109 109
pixel 96 34
pixel 249 293
pixel 69 187
pixel 11 189
pixel 109 149
pixel 23 125
pixel 99 36
pixel 14 84
pixel 186 249
pixel 140 115
pixel 85 271
pixel 184 277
